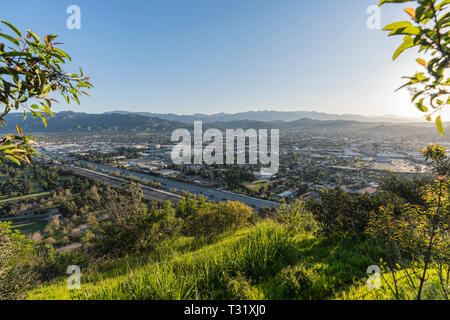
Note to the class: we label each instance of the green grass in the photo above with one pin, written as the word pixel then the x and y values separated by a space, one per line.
pixel 33 195
pixel 256 185
pixel 432 289
pixel 7 196
pixel 30 228
pixel 261 262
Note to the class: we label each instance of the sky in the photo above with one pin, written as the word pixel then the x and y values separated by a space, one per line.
pixel 210 56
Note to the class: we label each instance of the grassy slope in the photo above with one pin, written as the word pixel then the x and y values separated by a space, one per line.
pixel 30 228
pixel 34 195
pixel 250 264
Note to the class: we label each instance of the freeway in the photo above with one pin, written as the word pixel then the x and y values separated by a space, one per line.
pixel 149 193
pixel 212 194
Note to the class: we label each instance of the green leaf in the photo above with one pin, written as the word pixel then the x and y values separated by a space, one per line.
pixel 47 88
pixel 12 27
pixel 13 159
pixel 9 38
pixel 439 125
pixel 35 37
pixel 62 53
pixel 421 107
pixel 398 25
pixel 410 30
pixel 408 43
pixel 442 4
pixel 393 1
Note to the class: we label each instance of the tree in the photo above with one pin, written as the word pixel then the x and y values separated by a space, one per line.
pixel 342 214
pixel 30 71
pixel 129 226
pixel 417 240
pixel 429 32
pixel 408 189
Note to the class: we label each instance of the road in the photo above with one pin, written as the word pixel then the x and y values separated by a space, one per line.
pixel 149 193
pixel 162 195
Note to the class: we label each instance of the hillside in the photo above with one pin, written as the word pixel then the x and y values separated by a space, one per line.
pixel 253 263
pixel 83 122
pixel 266 261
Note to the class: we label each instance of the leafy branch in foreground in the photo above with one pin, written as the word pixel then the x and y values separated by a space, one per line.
pixel 30 71
pixel 429 32
pixel 417 239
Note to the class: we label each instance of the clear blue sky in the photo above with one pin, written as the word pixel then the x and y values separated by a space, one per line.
pixel 188 56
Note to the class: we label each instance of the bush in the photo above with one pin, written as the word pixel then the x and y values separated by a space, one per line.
pixel 129 226
pixel 215 219
pixel 54 263
pixel 343 214
pixel 17 259
pixel 294 282
pixel 297 218
pixel 240 288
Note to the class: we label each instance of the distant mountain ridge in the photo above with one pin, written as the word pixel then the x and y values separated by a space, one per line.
pixel 269 116
pixel 129 123
pixel 68 121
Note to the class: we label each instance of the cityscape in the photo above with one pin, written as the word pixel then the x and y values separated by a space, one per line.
pixel 224 159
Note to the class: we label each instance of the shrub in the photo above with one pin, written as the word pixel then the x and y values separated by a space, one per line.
pixel 240 288
pixel 215 219
pixel 297 218
pixel 294 282
pixel 54 263
pixel 343 214
pixel 17 258
pixel 129 226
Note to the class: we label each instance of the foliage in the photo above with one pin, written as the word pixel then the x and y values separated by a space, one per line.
pixel 343 214
pixel 240 288
pixel 213 219
pixel 295 282
pixel 54 263
pixel 30 70
pixel 129 226
pixel 410 190
pixel 259 262
pixel 17 257
pixel 432 289
pixel 297 217
pixel 437 155
pixel 420 234
pixel 429 33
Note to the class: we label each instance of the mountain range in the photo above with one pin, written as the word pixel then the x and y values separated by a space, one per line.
pixel 125 122
pixel 268 116
pixel 77 122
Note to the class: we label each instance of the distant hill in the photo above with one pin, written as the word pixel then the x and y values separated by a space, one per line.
pixel 83 122
pixel 267 116
pixel 71 122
